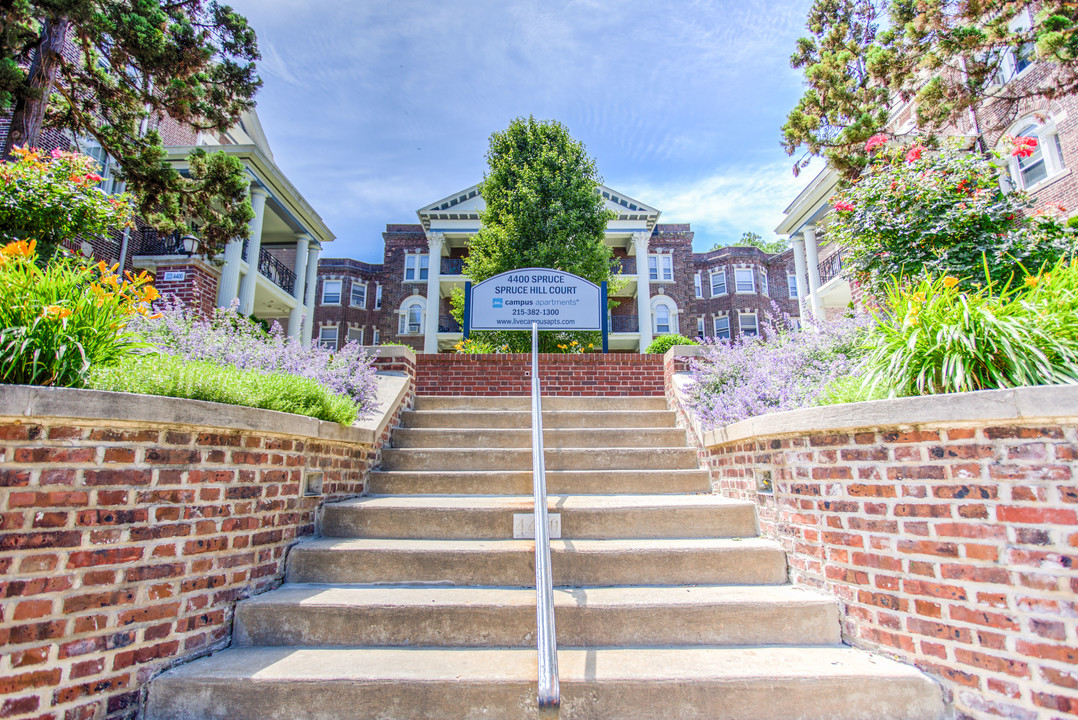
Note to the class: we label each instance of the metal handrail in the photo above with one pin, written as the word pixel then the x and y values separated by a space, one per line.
pixel 549 690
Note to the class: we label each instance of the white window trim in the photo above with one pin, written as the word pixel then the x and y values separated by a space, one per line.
pixel 791 285
pixel 322 338
pixel 725 285
pixel 700 326
pixel 378 296
pixel 358 335
pixel 752 277
pixel 765 287
pixel 661 267
pixel 698 285
pixel 351 293
pixel 402 314
pixel 414 262
pixel 741 327
pixel 667 302
pixel 715 327
pixel 1051 151
pixel 375 337
pixel 340 291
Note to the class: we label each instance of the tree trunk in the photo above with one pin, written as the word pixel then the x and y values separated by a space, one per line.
pixel 29 113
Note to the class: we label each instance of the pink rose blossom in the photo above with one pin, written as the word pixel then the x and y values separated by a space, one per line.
pixel 875 141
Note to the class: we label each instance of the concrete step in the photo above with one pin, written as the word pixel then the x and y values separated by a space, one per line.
pixel 675 683
pixel 403 616
pixel 582 516
pixel 624 458
pixel 552 438
pixel 550 403
pixel 519 482
pixel 523 418
pixel 576 563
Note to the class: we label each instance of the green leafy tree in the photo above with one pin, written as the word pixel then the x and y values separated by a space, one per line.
pixel 948 57
pixel 103 68
pixel 916 213
pixel 751 239
pixel 542 209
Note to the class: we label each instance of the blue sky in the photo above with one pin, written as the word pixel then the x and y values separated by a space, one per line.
pixel 375 109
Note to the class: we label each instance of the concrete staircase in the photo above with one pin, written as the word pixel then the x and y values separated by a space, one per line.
pixel 417 602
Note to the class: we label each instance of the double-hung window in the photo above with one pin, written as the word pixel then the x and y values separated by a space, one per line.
pixel 359 295
pixel 662 320
pixel 378 297
pixel 697 285
pixel 327 336
pixel 700 326
pixel 763 283
pixel 416 267
pixel 744 280
pixel 718 282
pixel 411 320
pixel 791 285
pixel 331 293
pixel 747 323
pixel 661 268
pixel 722 327
pixel 355 335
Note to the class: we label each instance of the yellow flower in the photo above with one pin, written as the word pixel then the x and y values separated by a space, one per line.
pixel 1032 280
pixel 55 312
pixel 563 347
pixel 949 282
pixel 20 248
pixel 914 320
pixel 149 293
pixel 918 297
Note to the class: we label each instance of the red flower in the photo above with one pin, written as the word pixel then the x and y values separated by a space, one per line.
pixel 844 206
pixel 875 141
pixel 915 153
pixel 1023 146
pixel 93 177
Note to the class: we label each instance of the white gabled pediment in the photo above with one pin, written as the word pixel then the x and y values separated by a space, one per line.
pixel 466 205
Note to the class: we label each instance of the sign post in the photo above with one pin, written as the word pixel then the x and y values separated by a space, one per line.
pixel 551 299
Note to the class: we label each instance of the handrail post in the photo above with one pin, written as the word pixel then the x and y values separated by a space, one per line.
pixel 549 696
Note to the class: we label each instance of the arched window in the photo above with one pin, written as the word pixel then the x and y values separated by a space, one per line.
pixel 411 316
pixel 1045 162
pixel 664 316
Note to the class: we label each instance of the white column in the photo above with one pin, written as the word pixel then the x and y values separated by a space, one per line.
pixel 435 241
pixel 813 261
pixel 643 288
pixel 254 245
pixel 312 287
pixel 228 285
pixel 799 272
pixel 295 315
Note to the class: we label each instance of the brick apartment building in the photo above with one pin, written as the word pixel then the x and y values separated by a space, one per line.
pixel 723 293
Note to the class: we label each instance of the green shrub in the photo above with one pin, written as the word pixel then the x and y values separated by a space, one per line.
pixel 664 342
pixel 58 321
pixel 172 376
pixel 850 389
pixel 935 338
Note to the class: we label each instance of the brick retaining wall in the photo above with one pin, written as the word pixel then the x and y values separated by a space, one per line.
pixel 125 543
pixel 950 544
pixel 594 374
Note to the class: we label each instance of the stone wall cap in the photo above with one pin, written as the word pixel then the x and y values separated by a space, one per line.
pixel 1049 403
pixel 29 401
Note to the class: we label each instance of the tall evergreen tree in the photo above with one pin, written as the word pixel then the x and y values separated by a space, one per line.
pixel 950 57
pixel 102 68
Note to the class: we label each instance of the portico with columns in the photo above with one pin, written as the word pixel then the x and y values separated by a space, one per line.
pixel 449 224
pixel 271 274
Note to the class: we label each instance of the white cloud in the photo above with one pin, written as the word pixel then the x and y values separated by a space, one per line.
pixel 723 205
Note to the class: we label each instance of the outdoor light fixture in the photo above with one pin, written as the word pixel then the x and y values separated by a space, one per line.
pixel 190 244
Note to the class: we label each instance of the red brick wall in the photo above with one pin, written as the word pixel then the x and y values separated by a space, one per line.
pixel 125 546
pixel 952 547
pixel 594 374
pixel 198 289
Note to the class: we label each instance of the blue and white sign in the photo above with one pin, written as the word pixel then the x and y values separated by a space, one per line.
pixel 553 299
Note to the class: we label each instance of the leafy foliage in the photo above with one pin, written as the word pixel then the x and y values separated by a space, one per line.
pixel 663 343
pixel 940 213
pixel 173 376
pixel 948 57
pixel 113 64
pixel 781 370
pixel 59 320
pixel 937 338
pixel 542 209
pixel 751 239
pixel 229 338
pixel 53 198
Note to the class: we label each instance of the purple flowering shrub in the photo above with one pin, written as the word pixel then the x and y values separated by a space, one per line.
pixel 229 338
pixel 781 370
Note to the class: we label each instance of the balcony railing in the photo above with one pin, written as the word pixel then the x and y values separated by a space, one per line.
pixel 452 266
pixel 830 267
pixel 448 324
pixel 276 271
pixel 152 242
pixel 624 266
pixel 624 324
